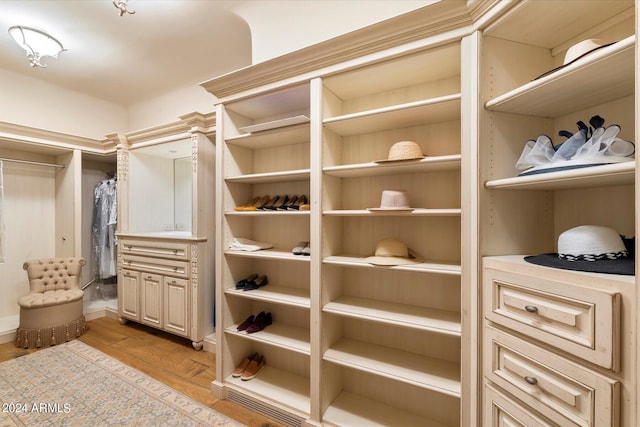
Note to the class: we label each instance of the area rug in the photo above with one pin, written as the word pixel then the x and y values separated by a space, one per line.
pixel 73 384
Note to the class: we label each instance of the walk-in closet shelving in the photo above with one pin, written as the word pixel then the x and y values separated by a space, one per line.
pixel 265 151
pixel 397 325
pixel 525 215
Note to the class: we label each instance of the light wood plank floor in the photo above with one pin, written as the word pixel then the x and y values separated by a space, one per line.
pixel 162 356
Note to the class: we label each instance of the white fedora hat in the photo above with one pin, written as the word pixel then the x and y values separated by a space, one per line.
pixel 578 51
pixel 393 201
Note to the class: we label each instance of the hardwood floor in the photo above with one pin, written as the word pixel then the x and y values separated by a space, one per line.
pixel 162 356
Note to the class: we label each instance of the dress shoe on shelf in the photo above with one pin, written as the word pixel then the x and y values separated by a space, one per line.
pixel 256 283
pixel 300 200
pixel 292 200
pixel 249 205
pixel 277 203
pixel 261 321
pixel 297 250
pixel 248 322
pixel 245 363
pixel 306 251
pixel 244 282
pixel 265 202
pixel 253 368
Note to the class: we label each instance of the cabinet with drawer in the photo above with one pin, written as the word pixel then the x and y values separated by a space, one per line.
pixel 156 280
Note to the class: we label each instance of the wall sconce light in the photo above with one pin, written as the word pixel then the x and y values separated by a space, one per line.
pixel 123 6
pixel 37 43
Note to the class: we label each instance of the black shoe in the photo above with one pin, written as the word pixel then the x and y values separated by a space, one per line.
pixel 256 283
pixel 244 282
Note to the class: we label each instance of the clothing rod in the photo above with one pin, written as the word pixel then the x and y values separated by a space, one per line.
pixel 53 165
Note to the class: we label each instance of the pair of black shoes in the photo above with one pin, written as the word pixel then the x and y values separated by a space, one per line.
pixel 256 323
pixel 252 282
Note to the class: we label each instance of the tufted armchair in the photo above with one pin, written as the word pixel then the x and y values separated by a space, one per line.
pixel 52 311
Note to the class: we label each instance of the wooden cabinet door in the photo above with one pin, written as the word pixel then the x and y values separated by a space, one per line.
pixel 128 295
pixel 151 289
pixel 176 305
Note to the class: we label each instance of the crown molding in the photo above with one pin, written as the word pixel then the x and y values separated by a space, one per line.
pixel 35 139
pixel 454 17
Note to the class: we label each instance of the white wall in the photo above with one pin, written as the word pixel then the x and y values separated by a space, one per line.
pixel 29 205
pixel 35 103
pixel 283 26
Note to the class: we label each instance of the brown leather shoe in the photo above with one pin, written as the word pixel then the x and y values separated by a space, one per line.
pixel 252 370
pixel 242 366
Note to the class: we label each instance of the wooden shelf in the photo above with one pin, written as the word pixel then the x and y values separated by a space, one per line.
pixel 425 267
pixel 594 176
pixel 605 75
pixel 428 164
pixel 278 335
pixel 281 387
pixel 261 178
pixel 409 316
pixel 267 212
pixel 296 297
pixel 411 368
pixel 270 254
pixel 350 409
pixel 296 134
pixel 436 110
pixel 413 213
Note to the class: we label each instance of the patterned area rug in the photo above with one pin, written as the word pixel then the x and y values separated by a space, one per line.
pixel 73 384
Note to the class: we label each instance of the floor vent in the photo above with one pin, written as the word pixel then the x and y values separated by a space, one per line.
pixel 266 410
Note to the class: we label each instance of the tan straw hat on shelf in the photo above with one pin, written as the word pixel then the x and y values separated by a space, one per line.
pixel 391 252
pixel 403 150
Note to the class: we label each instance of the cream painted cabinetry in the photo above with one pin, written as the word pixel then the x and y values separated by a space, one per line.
pixel 166 239
pixel 473 335
pixel 154 283
pixel 559 346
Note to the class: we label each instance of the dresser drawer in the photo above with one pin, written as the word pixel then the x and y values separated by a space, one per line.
pixel 166 267
pixel 565 392
pixel 577 319
pixel 164 249
pixel 502 411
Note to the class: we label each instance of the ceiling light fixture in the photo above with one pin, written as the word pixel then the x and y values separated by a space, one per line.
pixel 37 43
pixel 123 6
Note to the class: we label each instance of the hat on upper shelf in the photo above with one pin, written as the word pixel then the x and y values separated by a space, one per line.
pixel 591 248
pixel 393 201
pixel 403 150
pixel 577 51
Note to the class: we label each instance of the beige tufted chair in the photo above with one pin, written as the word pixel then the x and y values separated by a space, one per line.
pixel 52 311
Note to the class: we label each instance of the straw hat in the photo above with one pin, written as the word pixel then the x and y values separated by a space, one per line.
pixel 577 51
pixel 403 150
pixel 592 248
pixel 393 201
pixel 393 252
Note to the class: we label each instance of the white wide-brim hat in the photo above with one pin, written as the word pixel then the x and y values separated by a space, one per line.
pixel 393 201
pixel 391 252
pixel 592 248
pixel 577 51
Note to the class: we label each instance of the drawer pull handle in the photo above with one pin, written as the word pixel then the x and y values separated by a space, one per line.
pixel 149 277
pixel 175 251
pixel 531 308
pixel 175 268
pixel 531 380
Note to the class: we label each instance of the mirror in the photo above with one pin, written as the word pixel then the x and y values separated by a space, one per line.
pixel 160 188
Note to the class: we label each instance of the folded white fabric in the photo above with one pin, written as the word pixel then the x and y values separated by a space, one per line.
pixel 242 244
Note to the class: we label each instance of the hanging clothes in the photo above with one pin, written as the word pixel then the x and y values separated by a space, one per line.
pixel 105 218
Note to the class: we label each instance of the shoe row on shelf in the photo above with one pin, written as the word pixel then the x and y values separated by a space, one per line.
pixel 281 203
pixel 249 367
pixel 253 324
pixel 252 282
pixel 302 248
